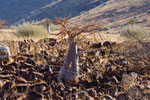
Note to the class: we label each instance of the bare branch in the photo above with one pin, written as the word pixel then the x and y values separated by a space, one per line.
pixel 73 30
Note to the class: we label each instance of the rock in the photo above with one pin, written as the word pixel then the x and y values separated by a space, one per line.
pixel 16 65
pixel 38 75
pixel 14 95
pixel 34 96
pixel 20 80
pixel 102 53
pixel 108 97
pixel 8 85
pixel 87 70
pixel 114 78
pixel 92 93
pixel 26 65
pixel 124 61
pixel 9 68
pixel 122 97
pixel 5 53
pixel 61 87
pixel 45 68
pixel 92 53
pixel 1 84
pixel 21 87
pixel 27 55
pixel 106 43
pixel 103 79
pixel 96 45
pixel 20 58
pixel 145 96
pixel 52 43
pixel 134 93
pixel 29 76
pixel 9 77
pixel 39 87
pixel 30 61
pixel 74 89
pixel 89 98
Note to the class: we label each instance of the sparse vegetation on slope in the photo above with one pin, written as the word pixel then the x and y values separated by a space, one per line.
pixel 116 13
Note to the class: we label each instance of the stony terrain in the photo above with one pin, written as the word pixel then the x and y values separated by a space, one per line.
pixel 108 71
pixel 111 67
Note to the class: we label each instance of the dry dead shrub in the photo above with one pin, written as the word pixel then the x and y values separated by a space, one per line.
pixel 129 80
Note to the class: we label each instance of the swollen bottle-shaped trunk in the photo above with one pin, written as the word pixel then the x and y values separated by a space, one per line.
pixel 70 69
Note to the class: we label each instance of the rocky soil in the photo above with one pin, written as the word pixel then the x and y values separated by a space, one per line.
pixel 108 71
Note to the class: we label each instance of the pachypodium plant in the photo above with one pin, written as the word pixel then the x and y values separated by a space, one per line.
pixel 70 69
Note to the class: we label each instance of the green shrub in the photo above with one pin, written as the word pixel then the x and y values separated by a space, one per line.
pixel 27 29
pixel 134 31
pixel 133 20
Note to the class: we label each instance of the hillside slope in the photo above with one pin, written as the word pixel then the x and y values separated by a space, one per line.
pixel 116 13
pixel 16 10
pixel 13 10
pixel 67 7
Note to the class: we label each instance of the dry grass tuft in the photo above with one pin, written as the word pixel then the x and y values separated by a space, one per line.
pixel 134 31
pixel 27 29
